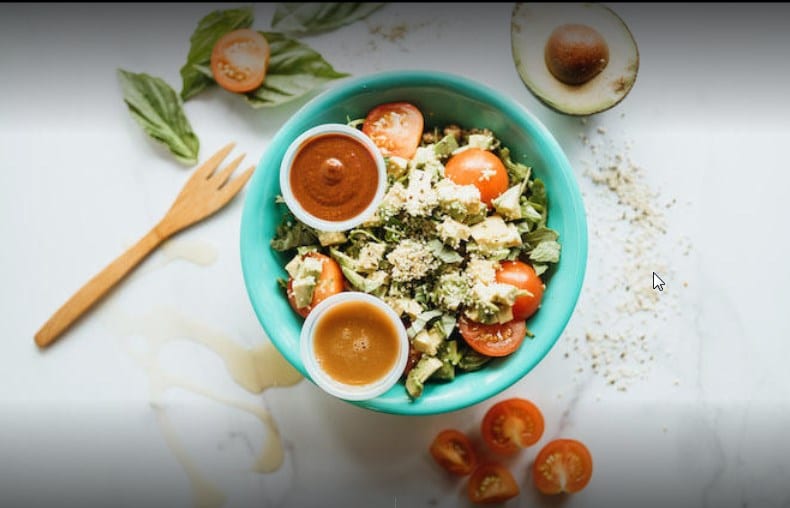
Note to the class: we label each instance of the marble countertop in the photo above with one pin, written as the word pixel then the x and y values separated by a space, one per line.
pixel 682 396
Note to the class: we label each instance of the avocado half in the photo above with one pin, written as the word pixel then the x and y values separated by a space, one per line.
pixel 531 26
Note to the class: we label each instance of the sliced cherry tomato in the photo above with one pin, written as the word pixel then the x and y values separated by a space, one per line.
pixel 454 451
pixel 412 359
pixel 491 483
pixel 240 59
pixel 396 128
pixel 512 424
pixel 480 168
pixel 330 282
pixel 495 339
pixel 522 276
pixel 563 465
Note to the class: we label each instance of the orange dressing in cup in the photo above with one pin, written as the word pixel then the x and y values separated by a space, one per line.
pixel 356 343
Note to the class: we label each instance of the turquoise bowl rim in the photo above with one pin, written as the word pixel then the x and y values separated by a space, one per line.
pixel 570 271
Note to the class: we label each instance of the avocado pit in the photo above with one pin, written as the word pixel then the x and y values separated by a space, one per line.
pixel 576 53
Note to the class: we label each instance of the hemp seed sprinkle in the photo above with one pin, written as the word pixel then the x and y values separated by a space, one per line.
pixel 627 227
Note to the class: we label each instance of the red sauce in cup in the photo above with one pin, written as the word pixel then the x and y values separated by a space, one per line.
pixel 334 177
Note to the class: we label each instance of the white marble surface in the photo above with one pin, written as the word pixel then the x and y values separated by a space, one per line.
pixel 702 423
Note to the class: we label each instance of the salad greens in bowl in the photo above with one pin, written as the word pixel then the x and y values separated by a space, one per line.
pixel 464 257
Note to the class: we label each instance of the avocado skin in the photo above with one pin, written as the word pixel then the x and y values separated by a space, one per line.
pixel 557 105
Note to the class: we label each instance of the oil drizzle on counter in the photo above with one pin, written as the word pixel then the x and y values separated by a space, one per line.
pixel 254 369
pixel 193 250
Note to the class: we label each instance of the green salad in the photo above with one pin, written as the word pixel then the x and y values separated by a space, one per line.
pixel 458 246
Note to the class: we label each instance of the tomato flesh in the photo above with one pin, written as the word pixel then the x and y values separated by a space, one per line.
pixel 395 128
pixel 498 339
pixel 563 465
pixel 491 483
pixel 412 359
pixel 330 282
pixel 239 60
pixel 480 168
pixel 511 425
pixel 523 276
pixel 452 450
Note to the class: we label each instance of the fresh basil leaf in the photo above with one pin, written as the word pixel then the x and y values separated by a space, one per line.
pixel 313 17
pixel 294 70
pixel 546 252
pixel 205 36
pixel 158 110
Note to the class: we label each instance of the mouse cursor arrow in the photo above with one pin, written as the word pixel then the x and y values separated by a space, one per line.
pixel 657 282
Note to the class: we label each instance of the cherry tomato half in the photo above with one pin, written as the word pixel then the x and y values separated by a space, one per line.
pixel 412 359
pixel 239 60
pixel 330 282
pixel 452 450
pixel 396 128
pixel 563 465
pixel 512 424
pixel 480 168
pixel 491 483
pixel 495 339
pixel 522 276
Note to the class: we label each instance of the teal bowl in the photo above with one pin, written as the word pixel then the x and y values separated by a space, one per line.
pixel 443 99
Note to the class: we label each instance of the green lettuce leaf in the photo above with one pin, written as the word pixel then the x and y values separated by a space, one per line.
pixel 546 252
pixel 533 238
pixel 291 234
pixel 538 193
pixel 158 110
pixel 422 321
pixel 314 17
pixel 516 171
pixel 539 268
pixel 294 70
pixel 207 33
pixel 443 253
pixel 471 360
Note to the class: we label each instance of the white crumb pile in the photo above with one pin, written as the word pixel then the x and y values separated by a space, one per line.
pixel 617 337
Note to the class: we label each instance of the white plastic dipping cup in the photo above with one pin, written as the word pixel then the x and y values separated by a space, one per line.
pixel 285 177
pixel 331 385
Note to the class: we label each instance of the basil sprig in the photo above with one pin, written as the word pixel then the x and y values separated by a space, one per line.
pixel 206 35
pixel 158 110
pixel 315 17
pixel 294 68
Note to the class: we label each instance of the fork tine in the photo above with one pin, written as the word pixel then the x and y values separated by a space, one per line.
pixel 210 165
pixel 222 176
pixel 232 187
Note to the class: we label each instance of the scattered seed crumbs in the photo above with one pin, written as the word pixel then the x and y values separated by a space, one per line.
pixel 627 228
pixel 393 33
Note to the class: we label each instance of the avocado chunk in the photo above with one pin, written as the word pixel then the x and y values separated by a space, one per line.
pixel 415 379
pixel 578 59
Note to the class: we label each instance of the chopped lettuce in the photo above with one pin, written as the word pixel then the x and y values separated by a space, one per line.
pixel 291 234
pixel 432 249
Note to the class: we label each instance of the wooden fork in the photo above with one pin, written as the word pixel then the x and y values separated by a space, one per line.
pixel 205 192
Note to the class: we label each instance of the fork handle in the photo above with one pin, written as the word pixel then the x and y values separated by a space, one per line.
pixel 96 288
